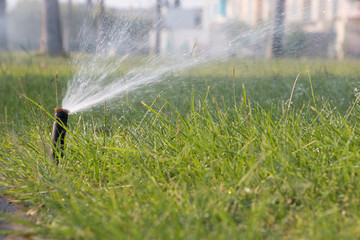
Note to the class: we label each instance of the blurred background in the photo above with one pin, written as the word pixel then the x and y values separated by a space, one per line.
pixel 249 28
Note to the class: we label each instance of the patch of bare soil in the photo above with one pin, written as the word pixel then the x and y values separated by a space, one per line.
pixel 15 210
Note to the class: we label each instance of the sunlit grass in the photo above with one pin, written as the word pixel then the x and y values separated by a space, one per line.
pixel 195 162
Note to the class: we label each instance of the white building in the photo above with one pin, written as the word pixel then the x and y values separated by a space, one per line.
pixel 246 27
pixel 320 19
pixel 182 31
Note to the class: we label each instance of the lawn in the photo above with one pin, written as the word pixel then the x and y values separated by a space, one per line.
pixel 239 149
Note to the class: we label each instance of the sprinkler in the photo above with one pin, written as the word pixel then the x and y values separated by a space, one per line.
pixel 58 133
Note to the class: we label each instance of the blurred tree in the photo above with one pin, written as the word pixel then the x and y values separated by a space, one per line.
pixel 177 3
pixel 51 40
pixel 3 26
pixel 278 35
pixel 158 27
pixel 89 4
pixel 79 19
pixel 67 26
pixel 43 38
pixel 100 25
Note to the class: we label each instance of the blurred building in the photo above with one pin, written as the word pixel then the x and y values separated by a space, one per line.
pixel 323 28
pixel 181 30
pixel 241 28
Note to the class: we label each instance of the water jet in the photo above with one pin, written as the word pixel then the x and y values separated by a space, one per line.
pixel 58 132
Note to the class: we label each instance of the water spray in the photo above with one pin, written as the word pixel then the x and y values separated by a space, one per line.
pixel 58 132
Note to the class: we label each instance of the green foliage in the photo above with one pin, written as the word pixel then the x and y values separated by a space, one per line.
pixel 295 44
pixel 222 163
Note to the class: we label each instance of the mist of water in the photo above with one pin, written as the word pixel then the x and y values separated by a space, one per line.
pixel 98 77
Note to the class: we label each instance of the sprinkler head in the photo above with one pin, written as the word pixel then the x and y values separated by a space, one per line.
pixel 58 133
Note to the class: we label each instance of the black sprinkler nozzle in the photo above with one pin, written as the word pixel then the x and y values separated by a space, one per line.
pixel 58 133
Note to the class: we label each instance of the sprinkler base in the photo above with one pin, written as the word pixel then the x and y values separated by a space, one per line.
pixel 58 133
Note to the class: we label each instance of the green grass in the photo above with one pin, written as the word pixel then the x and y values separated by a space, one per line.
pixel 196 162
